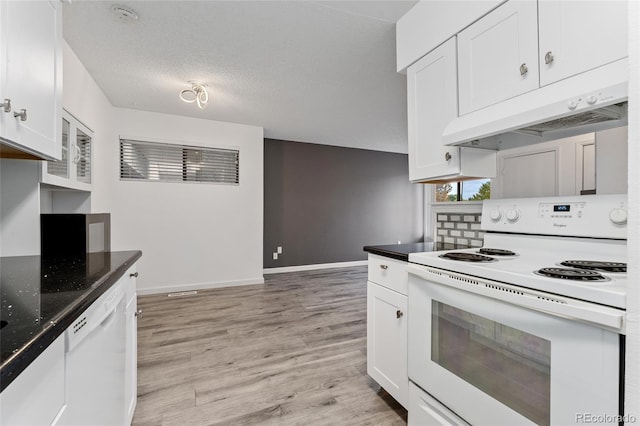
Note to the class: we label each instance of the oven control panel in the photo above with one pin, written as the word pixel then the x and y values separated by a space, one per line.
pixel 596 216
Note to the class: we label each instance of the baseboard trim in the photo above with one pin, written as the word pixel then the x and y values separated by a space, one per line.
pixel 198 286
pixel 300 268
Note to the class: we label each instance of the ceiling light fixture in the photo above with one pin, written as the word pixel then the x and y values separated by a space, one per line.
pixel 197 93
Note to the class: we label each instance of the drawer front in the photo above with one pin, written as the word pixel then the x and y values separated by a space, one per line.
pixel 390 273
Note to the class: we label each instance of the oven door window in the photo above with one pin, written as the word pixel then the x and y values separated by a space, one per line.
pixel 508 364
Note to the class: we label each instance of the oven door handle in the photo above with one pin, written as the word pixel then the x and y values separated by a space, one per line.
pixel 563 307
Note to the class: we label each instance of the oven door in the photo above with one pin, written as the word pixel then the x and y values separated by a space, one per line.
pixel 496 363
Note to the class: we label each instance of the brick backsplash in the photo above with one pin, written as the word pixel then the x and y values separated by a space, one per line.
pixel 456 230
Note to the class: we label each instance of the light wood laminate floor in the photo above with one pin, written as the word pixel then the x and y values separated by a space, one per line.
pixel 289 352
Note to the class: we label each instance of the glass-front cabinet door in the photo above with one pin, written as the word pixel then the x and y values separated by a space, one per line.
pixel 73 170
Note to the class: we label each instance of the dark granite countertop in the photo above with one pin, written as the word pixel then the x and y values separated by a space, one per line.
pixel 42 297
pixel 399 251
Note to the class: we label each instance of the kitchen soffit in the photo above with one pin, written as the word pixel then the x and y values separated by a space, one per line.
pixel 320 72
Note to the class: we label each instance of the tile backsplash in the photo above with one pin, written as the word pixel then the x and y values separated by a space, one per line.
pixel 458 230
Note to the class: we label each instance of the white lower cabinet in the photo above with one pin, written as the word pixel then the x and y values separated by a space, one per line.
pixel 88 374
pixel 131 347
pixel 37 395
pixel 387 340
pixel 424 410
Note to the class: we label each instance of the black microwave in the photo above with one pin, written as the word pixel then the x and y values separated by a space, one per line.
pixel 74 234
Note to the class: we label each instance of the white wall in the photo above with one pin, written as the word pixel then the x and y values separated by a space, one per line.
pixel 632 377
pixel 191 235
pixel 19 207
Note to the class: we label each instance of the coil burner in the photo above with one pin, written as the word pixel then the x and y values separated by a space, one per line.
pixel 496 252
pixel 467 257
pixel 572 274
pixel 596 265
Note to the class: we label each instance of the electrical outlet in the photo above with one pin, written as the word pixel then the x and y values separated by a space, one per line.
pixel 275 256
pixel 279 250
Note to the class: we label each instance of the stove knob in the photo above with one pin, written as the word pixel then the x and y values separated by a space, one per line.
pixel 495 215
pixel 513 215
pixel 618 216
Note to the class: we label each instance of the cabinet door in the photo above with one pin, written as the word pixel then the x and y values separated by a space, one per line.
pixel 498 56
pixel 432 103
pixel 37 395
pixel 131 360
pixel 73 171
pixel 387 340
pixel 576 36
pixel 31 74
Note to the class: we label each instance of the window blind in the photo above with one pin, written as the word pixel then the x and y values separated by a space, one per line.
pixel 153 161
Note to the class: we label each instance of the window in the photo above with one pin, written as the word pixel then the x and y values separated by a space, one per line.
pixel 470 190
pixel 151 161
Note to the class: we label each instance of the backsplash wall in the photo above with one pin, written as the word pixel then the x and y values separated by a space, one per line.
pixel 458 230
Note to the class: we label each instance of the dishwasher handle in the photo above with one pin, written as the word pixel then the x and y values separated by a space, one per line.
pixel 100 314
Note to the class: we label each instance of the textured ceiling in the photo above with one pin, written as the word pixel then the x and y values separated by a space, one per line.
pixel 307 71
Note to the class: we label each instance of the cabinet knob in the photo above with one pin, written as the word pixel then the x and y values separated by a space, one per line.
pixel 138 313
pixel 548 58
pixel 134 275
pixel 22 114
pixel 384 267
pixel 447 156
pixel 6 105
pixel 523 69
pixel 399 314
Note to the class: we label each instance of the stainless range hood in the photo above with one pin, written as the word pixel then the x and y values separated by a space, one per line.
pixel 588 102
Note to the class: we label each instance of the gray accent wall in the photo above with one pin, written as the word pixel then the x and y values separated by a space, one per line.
pixel 322 203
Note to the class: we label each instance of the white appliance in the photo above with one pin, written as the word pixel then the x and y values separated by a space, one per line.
pixel 530 328
pixel 95 363
pixel 591 101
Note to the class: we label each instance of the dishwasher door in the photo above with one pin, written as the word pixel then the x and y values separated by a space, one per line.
pixel 95 363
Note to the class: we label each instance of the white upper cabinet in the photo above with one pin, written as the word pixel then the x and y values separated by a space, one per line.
pixel 31 76
pixel 73 170
pixel 498 56
pixel 432 97
pixel 576 36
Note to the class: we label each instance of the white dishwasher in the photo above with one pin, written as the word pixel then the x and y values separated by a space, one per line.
pixel 95 363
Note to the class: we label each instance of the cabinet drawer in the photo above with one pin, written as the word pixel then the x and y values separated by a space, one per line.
pixel 389 273
pixel 425 410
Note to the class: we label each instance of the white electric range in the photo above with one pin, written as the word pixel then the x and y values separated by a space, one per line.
pixel 546 293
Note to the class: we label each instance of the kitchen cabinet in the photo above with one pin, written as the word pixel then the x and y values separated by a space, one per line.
pixel 524 45
pixel 37 395
pixel 498 56
pixel 432 103
pixel 576 36
pixel 31 76
pixel 387 326
pixel 424 410
pixel 429 23
pixel 131 346
pixel 73 170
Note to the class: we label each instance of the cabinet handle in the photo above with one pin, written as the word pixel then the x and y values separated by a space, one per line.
pixel 138 313
pixel 384 267
pixel 134 275
pixel 548 58
pixel 447 156
pixel 76 157
pixel 523 69
pixel 399 314
pixel 6 105
pixel 22 114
